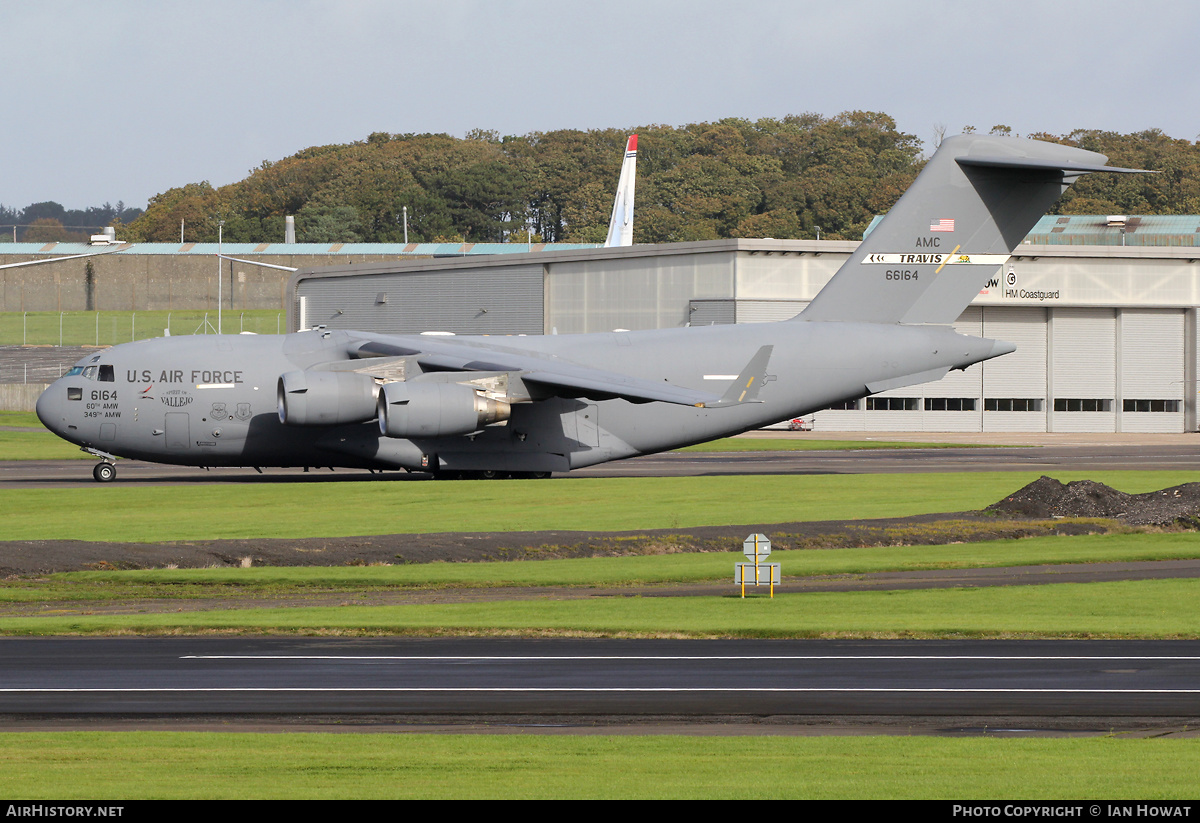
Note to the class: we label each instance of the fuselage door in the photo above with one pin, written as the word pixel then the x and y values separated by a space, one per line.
pixel 176 430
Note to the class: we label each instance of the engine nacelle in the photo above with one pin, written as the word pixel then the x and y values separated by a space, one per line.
pixel 325 398
pixel 435 409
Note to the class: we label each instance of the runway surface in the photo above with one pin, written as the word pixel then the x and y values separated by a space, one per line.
pixel 157 676
pixel 891 461
pixel 1041 459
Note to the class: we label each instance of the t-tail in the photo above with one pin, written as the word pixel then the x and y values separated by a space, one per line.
pixel 970 207
pixel 620 226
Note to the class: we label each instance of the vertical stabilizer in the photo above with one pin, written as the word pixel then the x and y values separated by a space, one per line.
pixel 620 226
pixel 969 208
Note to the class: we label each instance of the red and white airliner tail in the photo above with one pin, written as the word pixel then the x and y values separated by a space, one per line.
pixel 620 227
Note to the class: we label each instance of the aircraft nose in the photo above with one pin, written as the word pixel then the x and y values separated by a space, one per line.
pixel 49 407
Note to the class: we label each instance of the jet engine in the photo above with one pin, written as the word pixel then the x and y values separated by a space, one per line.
pixel 436 409
pixel 325 398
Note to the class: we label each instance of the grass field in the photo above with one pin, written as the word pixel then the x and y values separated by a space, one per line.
pixel 34 445
pixel 1147 609
pixel 108 328
pixel 609 572
pixel 89 765
pixel 37 445
pixel 16 418
pixel 245 510
pixel 1128 609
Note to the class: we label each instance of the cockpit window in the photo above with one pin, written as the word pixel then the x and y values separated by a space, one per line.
pixel 89 372
pixel 74 371
pixel 106 374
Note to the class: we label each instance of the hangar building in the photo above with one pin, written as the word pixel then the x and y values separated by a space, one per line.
pixel 1103 311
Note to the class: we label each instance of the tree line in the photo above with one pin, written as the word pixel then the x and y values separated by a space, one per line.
pixel 792 177
pixel 49 221
pixel 730 178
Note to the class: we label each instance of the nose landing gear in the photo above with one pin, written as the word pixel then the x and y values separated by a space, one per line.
pixel 106 470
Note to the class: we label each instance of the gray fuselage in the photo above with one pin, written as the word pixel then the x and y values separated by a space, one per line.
pixel 212 400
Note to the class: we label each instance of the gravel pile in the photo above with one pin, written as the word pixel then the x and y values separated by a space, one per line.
pixel 1046 497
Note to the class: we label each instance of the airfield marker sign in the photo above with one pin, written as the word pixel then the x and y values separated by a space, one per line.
pixel 757 548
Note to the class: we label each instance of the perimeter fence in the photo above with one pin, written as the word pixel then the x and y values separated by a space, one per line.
pixel 108 328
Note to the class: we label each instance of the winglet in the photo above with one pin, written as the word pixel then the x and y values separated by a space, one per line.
pixel 748 384
pixel 620 225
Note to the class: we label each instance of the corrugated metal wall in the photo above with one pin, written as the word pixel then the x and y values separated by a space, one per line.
pixel 499 300
pixel 633 293
pixel 712 312
pixel 768 311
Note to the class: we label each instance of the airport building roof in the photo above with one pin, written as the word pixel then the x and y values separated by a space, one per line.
pixel 1108 230
pixel 1116 230
pixel 239 249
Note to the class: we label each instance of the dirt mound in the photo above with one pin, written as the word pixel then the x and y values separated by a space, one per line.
pixel 1047 497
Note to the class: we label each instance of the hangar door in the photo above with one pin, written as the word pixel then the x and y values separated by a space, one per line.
pixel 1151 370
pixel 1083 373
pixel 1014 386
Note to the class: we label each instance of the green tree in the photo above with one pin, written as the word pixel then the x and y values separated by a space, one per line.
pixel 328 224
pixel 50 230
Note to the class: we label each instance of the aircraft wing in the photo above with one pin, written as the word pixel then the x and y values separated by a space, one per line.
pixel 597 384
pixel 558 377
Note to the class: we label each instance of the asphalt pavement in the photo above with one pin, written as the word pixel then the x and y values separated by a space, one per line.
pixel 652 680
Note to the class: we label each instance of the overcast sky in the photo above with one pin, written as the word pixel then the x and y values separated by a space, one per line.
pixel 122 100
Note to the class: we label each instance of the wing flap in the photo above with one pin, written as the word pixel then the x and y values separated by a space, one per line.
pixel 601 385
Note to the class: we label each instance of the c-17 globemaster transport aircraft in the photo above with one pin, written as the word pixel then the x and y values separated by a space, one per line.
pixel 528 406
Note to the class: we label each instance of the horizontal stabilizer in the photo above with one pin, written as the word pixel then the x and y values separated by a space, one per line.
pixel 1044 165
